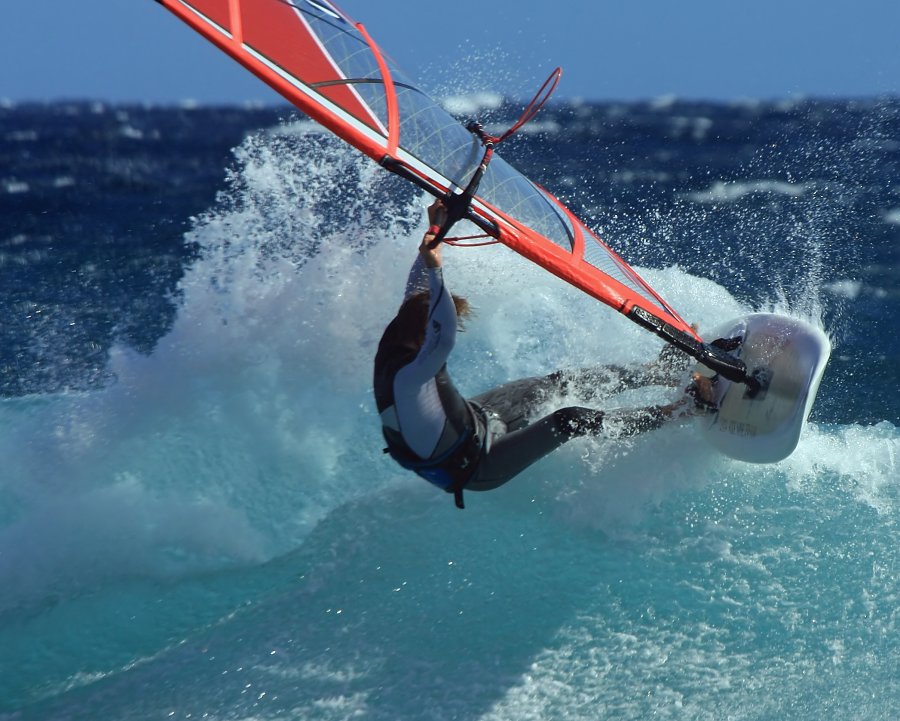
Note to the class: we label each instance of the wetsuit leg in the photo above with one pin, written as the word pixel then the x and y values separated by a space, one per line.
pixel 604 381
pixel 667 370
pixel 514 402
pixel 513 452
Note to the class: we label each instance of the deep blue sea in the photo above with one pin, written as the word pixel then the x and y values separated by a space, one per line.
pixel 196 517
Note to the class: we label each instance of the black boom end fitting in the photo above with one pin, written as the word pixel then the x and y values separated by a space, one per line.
pixel 714 356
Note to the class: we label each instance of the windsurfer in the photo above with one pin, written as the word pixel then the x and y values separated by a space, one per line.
pixel 483 442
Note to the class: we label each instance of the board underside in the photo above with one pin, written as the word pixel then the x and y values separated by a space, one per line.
pixel 792 355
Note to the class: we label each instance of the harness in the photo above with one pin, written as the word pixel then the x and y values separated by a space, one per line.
pixel 450 471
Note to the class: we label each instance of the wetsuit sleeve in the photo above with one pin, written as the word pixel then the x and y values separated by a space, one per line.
pixel 417 281
pixel 440 332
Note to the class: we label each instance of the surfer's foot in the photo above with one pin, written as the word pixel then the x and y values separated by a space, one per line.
pixel 703 390
pixel 576 421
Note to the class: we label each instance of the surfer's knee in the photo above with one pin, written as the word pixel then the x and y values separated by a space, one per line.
pixel 575 421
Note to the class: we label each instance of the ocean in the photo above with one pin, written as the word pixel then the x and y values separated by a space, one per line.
pixel 196 517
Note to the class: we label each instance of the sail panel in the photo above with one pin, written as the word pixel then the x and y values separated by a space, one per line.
pixel 217 11
pixel 301 43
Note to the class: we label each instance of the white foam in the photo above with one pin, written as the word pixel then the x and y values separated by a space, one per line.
pixel 892 216
pixel 846 288
pixel 664 102
pixel 728 192
pixel 130 132
pixel 472 104
pixel 853 289
pixel 251 419
pixel 16 187
pixel 537 127
pixel 866 457
pixel 696 127
pixel 22 136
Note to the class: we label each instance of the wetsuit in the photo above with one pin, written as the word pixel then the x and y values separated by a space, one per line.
pixel 428 425
pixel 481 443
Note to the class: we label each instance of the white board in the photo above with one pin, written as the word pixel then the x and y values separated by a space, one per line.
pixel 766 428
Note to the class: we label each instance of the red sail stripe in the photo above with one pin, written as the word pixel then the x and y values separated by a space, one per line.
pixel 278 32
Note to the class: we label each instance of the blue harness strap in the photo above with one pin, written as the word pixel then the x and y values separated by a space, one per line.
pixel 450 471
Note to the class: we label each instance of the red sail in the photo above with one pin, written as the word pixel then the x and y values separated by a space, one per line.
pixel 324 63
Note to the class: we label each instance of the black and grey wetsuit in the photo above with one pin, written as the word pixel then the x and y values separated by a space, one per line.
pixel 429 427
pixel 482 443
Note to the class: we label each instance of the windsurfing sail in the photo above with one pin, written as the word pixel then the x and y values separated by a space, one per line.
pixel 328 66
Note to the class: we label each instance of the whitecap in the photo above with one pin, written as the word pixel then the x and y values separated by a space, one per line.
pixel 536 127
pixel 130 132
pixel 472 104
pixel 696 127
pixel 892 216
pixel 845 288
pixel 663 102
pixel 14 187
pixel 727 192
pixel 22 136
pixel 746 103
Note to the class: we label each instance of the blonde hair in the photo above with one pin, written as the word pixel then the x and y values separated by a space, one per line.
pixel 463 310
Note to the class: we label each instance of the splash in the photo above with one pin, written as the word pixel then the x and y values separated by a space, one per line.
pixel 248 421
pixel 252 418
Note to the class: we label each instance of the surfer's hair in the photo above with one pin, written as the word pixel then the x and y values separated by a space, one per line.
pixel 413 314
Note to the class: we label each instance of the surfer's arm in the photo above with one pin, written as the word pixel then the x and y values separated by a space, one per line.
pixel 429 254
pixel 429 251
pixel 417 281
pixel 441 325
pixel 440 332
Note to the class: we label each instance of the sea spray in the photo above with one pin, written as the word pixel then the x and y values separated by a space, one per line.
pixel 237 421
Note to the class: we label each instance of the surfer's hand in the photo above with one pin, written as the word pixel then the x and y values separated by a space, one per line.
pixel 702 389
pixel 437 213
pixel 429 249
pixel 700 398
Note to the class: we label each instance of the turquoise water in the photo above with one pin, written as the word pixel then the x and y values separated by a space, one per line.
pixel 216 534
